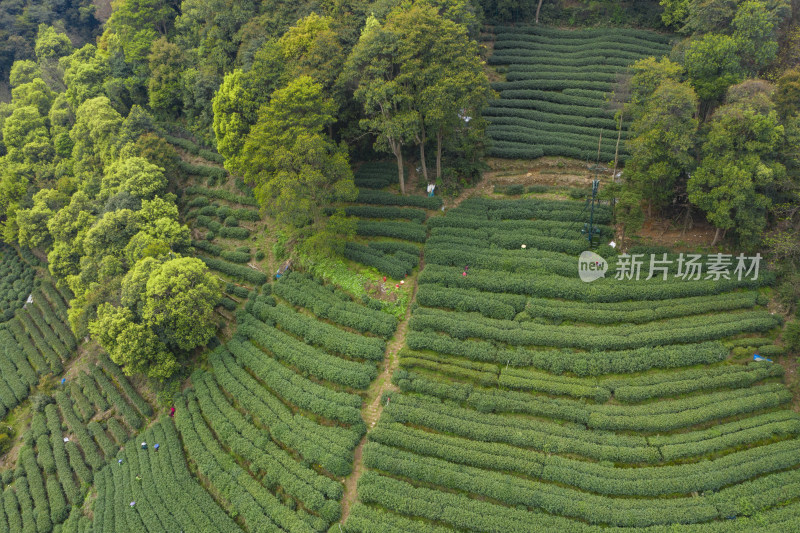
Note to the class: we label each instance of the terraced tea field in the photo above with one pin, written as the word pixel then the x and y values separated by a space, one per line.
pixel 524 400
pixel 531 401
pixel 555 97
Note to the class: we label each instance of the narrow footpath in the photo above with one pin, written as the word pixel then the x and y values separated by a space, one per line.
pixel 373 407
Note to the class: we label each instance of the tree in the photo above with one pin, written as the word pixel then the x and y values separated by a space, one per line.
pixel 179 302
pixel 235 112
pixel 134 175
pixel 706 16
pixel 753 33
pixel 662 141
pixel 312 48
pixel 791 336
pixel 648 74
pixel 132 346
pixel 712 64
pixel 738 170
pixel 787 93
pixel 35 93
pixel 32 222
pixel 440 67
pixel 50 46
pixel 373 67
pixel 675 12
pixel 97 125
pixel 23 71
pixel 629 212
pixel 164 86
pixel 84 74
pixel 297 170
pixel 26 138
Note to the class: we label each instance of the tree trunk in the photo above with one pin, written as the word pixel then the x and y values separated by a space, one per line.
pixel 439 154
pixel 422 138
pixel 538 7
pixel 716 237
pixel 397 148
pixel 616 150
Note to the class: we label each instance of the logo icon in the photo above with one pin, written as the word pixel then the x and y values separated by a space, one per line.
pixel 591 266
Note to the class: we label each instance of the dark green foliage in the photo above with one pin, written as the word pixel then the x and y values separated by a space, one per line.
pixel 303 291
pixel 552 102
pixel 409 231
pixel 115 398
pixel 368 211
pixel 228 304
pixel 16 282
pixel 397 265
pixel 235 257
pixel 367 196
pixel 244 273
pixel 222 195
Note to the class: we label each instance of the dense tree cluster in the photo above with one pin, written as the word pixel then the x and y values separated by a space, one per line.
pixel 709 131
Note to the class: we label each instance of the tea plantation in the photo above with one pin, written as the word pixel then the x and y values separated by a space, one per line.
pixel 555 97
pixel 531 401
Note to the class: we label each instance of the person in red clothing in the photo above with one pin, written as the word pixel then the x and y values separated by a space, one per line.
pixel 172 411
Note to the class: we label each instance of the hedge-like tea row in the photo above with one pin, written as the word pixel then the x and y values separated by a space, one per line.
pixel 248 498
pixel 90 390
pixel 36 349
pixel 478 515
pixel 516 431
pixel 329 446
pixel 307 359
pixel 590 476
pixel 16 282
pixel 410 231
pixel 499 109
pixel 447 249
pixel 221 212
pixel 651 417
pixel 222 231
pixel 63 350
pixel 593 363
pixel 370 211
pixel 54 321
pixel 532 208
pixel 206 171
pixel 555 500
pixel 467 219
pixel 243 273
pixel 544 71
pixel 297 390
pixel 221 194
pixel 602 290
pixel 524 93
pixel 507 143
pixel 303 291
pixel 376 175
pixel 317 493
pixel 319 333
pixel 736 376
pixel 90 450
pixel 207 247
pixel 396 266
pixel 640 312
pixel 600 479
pixel 369 196
pixel 671 331
pixel 500 306
pixel 167 498
pixel 122 382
